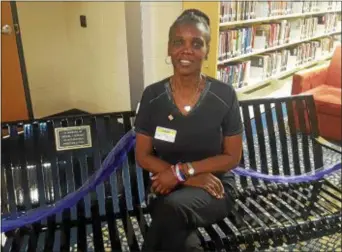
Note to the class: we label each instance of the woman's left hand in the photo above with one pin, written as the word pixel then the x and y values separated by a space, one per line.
pixel 164 182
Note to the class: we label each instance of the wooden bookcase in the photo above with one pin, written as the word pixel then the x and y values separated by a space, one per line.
pixel 210 66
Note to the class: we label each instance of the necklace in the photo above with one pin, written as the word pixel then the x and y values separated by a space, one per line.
pixel 187 105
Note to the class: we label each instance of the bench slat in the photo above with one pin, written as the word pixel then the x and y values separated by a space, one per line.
pixel 24 243
pixel 73 247
pixel 205 238
pixel 282 137
pixel 259 120
pixel 38 131
pixel 100 192
pixel 269 205
pixel 251 214
pixel 261 138
pixel 313 120
pixel 257 208
pixel 65 166
pixel 302 116
pixel 291 120
pixel 15 163
pixel 8 244
pixel 217 240
pixel 141 186
pixel 69 170
pixel 272 140
pixel 114 191
pixel 18 143
pixel 80 159
pixel 8 166
pixel 104 147
pixel 84 177
pixel 127 185
pixel 4 194
pixel 250 143
pixel 41 242
pixel 51 155
pixel 57 241
pixel 10 189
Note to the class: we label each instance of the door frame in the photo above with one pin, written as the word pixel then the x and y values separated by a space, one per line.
pixel 20 49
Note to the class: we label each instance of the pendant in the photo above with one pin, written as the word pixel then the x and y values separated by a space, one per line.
pixel 187 108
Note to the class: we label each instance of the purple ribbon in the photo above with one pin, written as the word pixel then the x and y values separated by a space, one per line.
pixel 320 173
pixel 112 162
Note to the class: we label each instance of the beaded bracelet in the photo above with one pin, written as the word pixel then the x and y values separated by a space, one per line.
pixel 174 171
pixel 179 174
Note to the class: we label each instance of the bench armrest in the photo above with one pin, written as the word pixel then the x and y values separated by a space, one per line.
pixel 308 79
pixel 328 144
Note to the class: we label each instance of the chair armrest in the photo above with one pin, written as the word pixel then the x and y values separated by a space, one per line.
pixel 328 144
pixel 309 78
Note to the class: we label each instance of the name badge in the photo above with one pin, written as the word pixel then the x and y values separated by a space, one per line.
pixel 165 134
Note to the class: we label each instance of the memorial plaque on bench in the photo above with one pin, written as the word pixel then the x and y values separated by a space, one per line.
pixel 75 137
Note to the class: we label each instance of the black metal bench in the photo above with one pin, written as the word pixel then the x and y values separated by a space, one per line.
pixel 115 216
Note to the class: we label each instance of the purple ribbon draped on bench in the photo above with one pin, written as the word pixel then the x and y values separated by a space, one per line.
pixel 112 162
pixel 319 173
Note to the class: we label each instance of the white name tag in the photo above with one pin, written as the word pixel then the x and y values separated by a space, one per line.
pixel 165 134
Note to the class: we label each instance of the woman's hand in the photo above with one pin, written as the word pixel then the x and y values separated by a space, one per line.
pixel 164 182
pixel 208 182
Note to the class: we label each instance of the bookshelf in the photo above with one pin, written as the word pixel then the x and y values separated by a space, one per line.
pixel 266 19
pixel 256 52
pixel 258 83
pixel 318 23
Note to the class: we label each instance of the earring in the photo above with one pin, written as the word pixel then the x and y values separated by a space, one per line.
pixel 168 62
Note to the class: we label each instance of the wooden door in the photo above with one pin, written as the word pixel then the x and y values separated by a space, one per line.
pixel 13 98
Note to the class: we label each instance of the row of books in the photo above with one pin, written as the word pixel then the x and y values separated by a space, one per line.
pixel 239 41
pixel 264 66
pixel 235 42
pixel 244 10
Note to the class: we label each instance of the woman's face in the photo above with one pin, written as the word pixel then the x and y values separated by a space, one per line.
pixel 188 48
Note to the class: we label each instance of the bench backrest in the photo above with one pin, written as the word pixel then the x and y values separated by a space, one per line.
pixel 33 173
pixel 279 138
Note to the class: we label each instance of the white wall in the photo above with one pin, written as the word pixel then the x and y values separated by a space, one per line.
pixel 157 18
pixel 87 68
pixel 45 44
pixel 99 76
pixel 73 67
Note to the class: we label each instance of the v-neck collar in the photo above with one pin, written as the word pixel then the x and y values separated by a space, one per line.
pixel 167 86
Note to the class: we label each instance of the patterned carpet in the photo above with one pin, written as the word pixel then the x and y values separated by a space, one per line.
pixel 326 243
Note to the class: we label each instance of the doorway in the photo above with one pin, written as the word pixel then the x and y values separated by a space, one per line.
pixel 15 97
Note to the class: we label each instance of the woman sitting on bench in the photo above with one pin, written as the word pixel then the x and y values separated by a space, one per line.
pixel 189 138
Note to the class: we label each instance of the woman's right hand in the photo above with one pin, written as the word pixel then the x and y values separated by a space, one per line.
pixel 208 182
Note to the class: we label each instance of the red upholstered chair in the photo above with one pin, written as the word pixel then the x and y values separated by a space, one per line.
pixel 324 83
